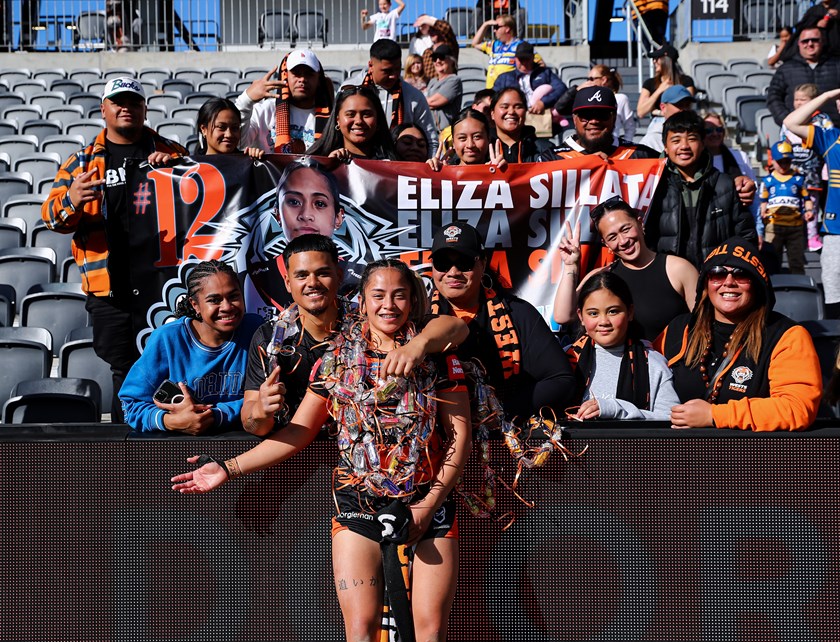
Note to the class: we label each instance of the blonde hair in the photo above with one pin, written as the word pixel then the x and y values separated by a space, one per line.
pixel 409 62
pixel 808 88
pixel 707 113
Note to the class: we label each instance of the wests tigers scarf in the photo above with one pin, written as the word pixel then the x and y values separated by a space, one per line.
pixel 283 141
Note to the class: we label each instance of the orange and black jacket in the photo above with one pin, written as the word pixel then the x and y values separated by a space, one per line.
pixel 87 222
pixel 779 391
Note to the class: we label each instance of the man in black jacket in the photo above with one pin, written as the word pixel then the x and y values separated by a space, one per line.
pixel 695 207
pixel 809 65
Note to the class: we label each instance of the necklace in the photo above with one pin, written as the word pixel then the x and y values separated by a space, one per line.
pixel 707 365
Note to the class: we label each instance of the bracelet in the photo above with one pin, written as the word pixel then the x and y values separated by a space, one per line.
pixel 232 468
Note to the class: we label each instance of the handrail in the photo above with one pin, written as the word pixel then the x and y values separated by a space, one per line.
pixel 641 30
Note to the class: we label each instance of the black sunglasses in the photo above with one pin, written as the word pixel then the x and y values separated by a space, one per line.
pixel 443 262
pixel 810 41
pixel 715 130
pixel 718 274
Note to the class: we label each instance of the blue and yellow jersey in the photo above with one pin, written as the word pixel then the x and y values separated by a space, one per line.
pixel 785 196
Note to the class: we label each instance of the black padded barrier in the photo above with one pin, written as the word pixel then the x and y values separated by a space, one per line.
pixel 654 534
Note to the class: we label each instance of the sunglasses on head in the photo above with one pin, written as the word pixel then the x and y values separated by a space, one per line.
pixel 714 130
pixel 718 274
pixel 443 262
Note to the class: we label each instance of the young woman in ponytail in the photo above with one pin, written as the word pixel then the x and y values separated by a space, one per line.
pixel 619 375
pixel 204 352
pixel 219 129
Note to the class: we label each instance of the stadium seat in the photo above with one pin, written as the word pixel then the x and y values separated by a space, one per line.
pixel 86 100
pixel 336 74
pixel 87 128
pixel 167 100
pixel 7 305
pixel 23 114
pixel 69 271
pixel 11 75
pixel 183 129
pixel 252 73
pixel 8 127
pixel 95 87
pixel 198 98
pixel 54 400
pixel 63 145
pixel 186 112
pixel 53 73
pixel 192 75
pixel 14 184
pixel 702 69
pixel 743 66
pixel 77 358
pixel 58 312
pixel 40 165
pixel 218 87
pixel 33 334
pixel 119 72
pixel 566 71
pixel 179 86
pixel 5 163
pixel 155 116
pixel 25 206
pixel 66 113
pixel 29 87
pixel 715 84
pixel 472 71
pixel 731 94
pixel 310 25
pixel 24 267
pixel 12 232
pixel 759 80
pixel 10 99
pixel 21 360
pixel 768 130
pixel 90 33
pixel 41 236
pixel 275 27
pixel 157 74
pixel 231 74
pixel 463 21
pixel 747 108
pixel 84 74
pixel 47 99
pixel 68 87
pixel 472 85
pixel 798 297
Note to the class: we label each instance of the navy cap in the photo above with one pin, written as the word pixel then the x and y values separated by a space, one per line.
pixel 594 98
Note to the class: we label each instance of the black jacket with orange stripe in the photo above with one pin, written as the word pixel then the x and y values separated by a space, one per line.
pixel 780 391
pixel 87 223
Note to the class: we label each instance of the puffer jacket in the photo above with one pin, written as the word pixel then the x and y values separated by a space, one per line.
pixel 539 76
pixel 795 72
pixel 721 215
pixel 87 222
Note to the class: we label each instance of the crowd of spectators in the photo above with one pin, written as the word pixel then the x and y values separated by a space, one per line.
pixel 708 192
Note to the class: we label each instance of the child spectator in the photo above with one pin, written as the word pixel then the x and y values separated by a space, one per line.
pixel 784 200
pixel 695 207
pixel 619 375
pixel 808 162
pixel 413 72
pixel 774 56
pixel 384 21
pixel 824 142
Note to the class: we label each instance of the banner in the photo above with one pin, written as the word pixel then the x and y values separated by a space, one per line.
pixel 243 212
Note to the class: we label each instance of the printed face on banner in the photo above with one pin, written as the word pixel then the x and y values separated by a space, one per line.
pixel 244 212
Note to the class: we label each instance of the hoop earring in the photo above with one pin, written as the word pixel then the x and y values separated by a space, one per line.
pixel 488 284
pixel 337 128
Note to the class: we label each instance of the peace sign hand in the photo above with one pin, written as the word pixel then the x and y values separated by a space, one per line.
pixel 265 87
pixel 569 247
pixel 497 156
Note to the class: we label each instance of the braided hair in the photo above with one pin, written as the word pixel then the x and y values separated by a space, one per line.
pixel 195 282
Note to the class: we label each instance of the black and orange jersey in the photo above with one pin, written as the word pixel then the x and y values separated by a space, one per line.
pixel 620 149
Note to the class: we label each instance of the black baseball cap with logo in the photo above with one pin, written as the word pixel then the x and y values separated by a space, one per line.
pixel 594 98
pixel 461 237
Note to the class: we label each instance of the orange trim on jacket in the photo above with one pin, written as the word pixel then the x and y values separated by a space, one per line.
pixel 795 390
pixel 87 223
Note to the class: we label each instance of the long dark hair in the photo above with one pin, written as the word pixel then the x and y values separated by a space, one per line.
pixel 610 281
pixel 381 146
pixel 194 283
pixel 419 300
pixel 207 114
pixel 471 114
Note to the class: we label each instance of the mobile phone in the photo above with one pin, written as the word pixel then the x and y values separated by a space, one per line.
pixel 169 392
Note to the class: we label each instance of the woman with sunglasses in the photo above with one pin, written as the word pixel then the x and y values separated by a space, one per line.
pixel 357 128
pixel 519 142
pixel 663 285
pixel 736 363
pixel 667 73
pixel 523 360
pixel 444 91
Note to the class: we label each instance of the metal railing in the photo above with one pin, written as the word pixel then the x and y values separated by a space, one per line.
pixel 217 25
pixel 747 20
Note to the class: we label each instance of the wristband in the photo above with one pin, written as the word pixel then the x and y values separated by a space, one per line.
pixel 231 466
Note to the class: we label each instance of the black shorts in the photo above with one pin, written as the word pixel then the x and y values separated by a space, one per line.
pixel 356 513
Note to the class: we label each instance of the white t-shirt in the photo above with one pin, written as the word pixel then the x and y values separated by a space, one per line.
pixel 385 24
pixel 302 125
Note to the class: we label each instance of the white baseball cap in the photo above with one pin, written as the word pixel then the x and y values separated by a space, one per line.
pixel 303 57
pixel 123 85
